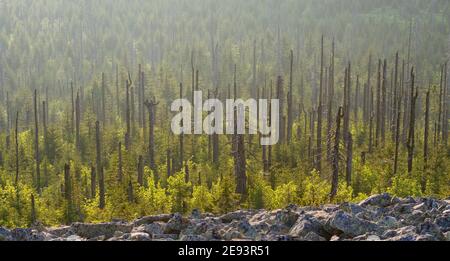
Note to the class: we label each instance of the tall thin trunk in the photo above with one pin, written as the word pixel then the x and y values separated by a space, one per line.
pixel 411 134
pixel 319 114
pixel 101 183
pixel 289 101
pixel 335 163
pixel 36 144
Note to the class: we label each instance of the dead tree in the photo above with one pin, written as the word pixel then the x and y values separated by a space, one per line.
pixel 397 132
pixel 356 105
pixel 330 104
pixel 378 108
pixel 383 105
pixel 335 162
pixel 33 210
pixel 68 191
pixel 289 101
pixel 151 107
pixel 117 90
pixel 36 143
pixel 181 138
pixel 130 192
pixel 103 93
pixel 119 164
pixel 411 134
pixel 319 114
pixel 445 108
pixel 16 134
pixel 367 90
pixel 127 113
pixel 349 159
pixel 140 169
pixel 77 123
pixel 101 182
pixel 280 97
pixel 215 139
pixel 93 182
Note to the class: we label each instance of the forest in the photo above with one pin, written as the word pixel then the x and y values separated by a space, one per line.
pixel 86 89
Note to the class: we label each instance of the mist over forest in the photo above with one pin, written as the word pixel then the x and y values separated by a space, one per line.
pixel 86 89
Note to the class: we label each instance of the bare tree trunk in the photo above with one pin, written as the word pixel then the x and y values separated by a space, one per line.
pixel 46 149
pixel 117 91
pixel 330 105
pixel 410 144
pixel 383 105
pixel 319 114
pixel 289 101
pixel 445 108
pixel 127 113
pixel 335 163
pixel 397 132
pixel 120 165
pixel 140 169
pixel 16 134
pixel 68 191
pixel 101 183
pixel 103 98
pixel 425 138
pixel 151 107
pixel 93 182
pixel 36 144
pixel 77 123
pixel 378 111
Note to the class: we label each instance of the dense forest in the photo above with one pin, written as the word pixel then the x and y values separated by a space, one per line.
pixel 86 89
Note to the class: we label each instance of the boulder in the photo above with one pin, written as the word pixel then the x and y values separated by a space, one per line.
pixel 94 230
pixel 380 200
pixel 344 224
pixel 176 224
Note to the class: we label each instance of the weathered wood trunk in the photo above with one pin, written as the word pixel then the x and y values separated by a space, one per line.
pixel 119 163
pixel 16 136
pixel 335 162
pixel 101 182
pixel 445 108
pixel 93 182
pixel 36 143
pixel 411 134
pixel 103 93
pixel 77 123
pixel 330 104
pixel 289 101
pixel 140 169
pixel 318 160
pixel 383 105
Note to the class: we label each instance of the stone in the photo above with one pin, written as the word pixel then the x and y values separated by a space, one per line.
pixel 193 238
pixel 94 230
pixel 380 200
pixel 151 219
pixel 443 222
pixel 347 225
pixel 430 228
pixel 305 225
pixel 139 236
pixel 26 234
pixel 5 234
pixel 388 221
pixel 176 224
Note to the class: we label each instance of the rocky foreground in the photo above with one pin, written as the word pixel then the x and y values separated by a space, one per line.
pixel 380 217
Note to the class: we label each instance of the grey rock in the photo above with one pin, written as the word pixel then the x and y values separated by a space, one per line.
pixel 150 219
pixel 176 224
pixel 139 236
pixel 380 200
pixel 343 223
pixel 5 234
pixel 94 230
